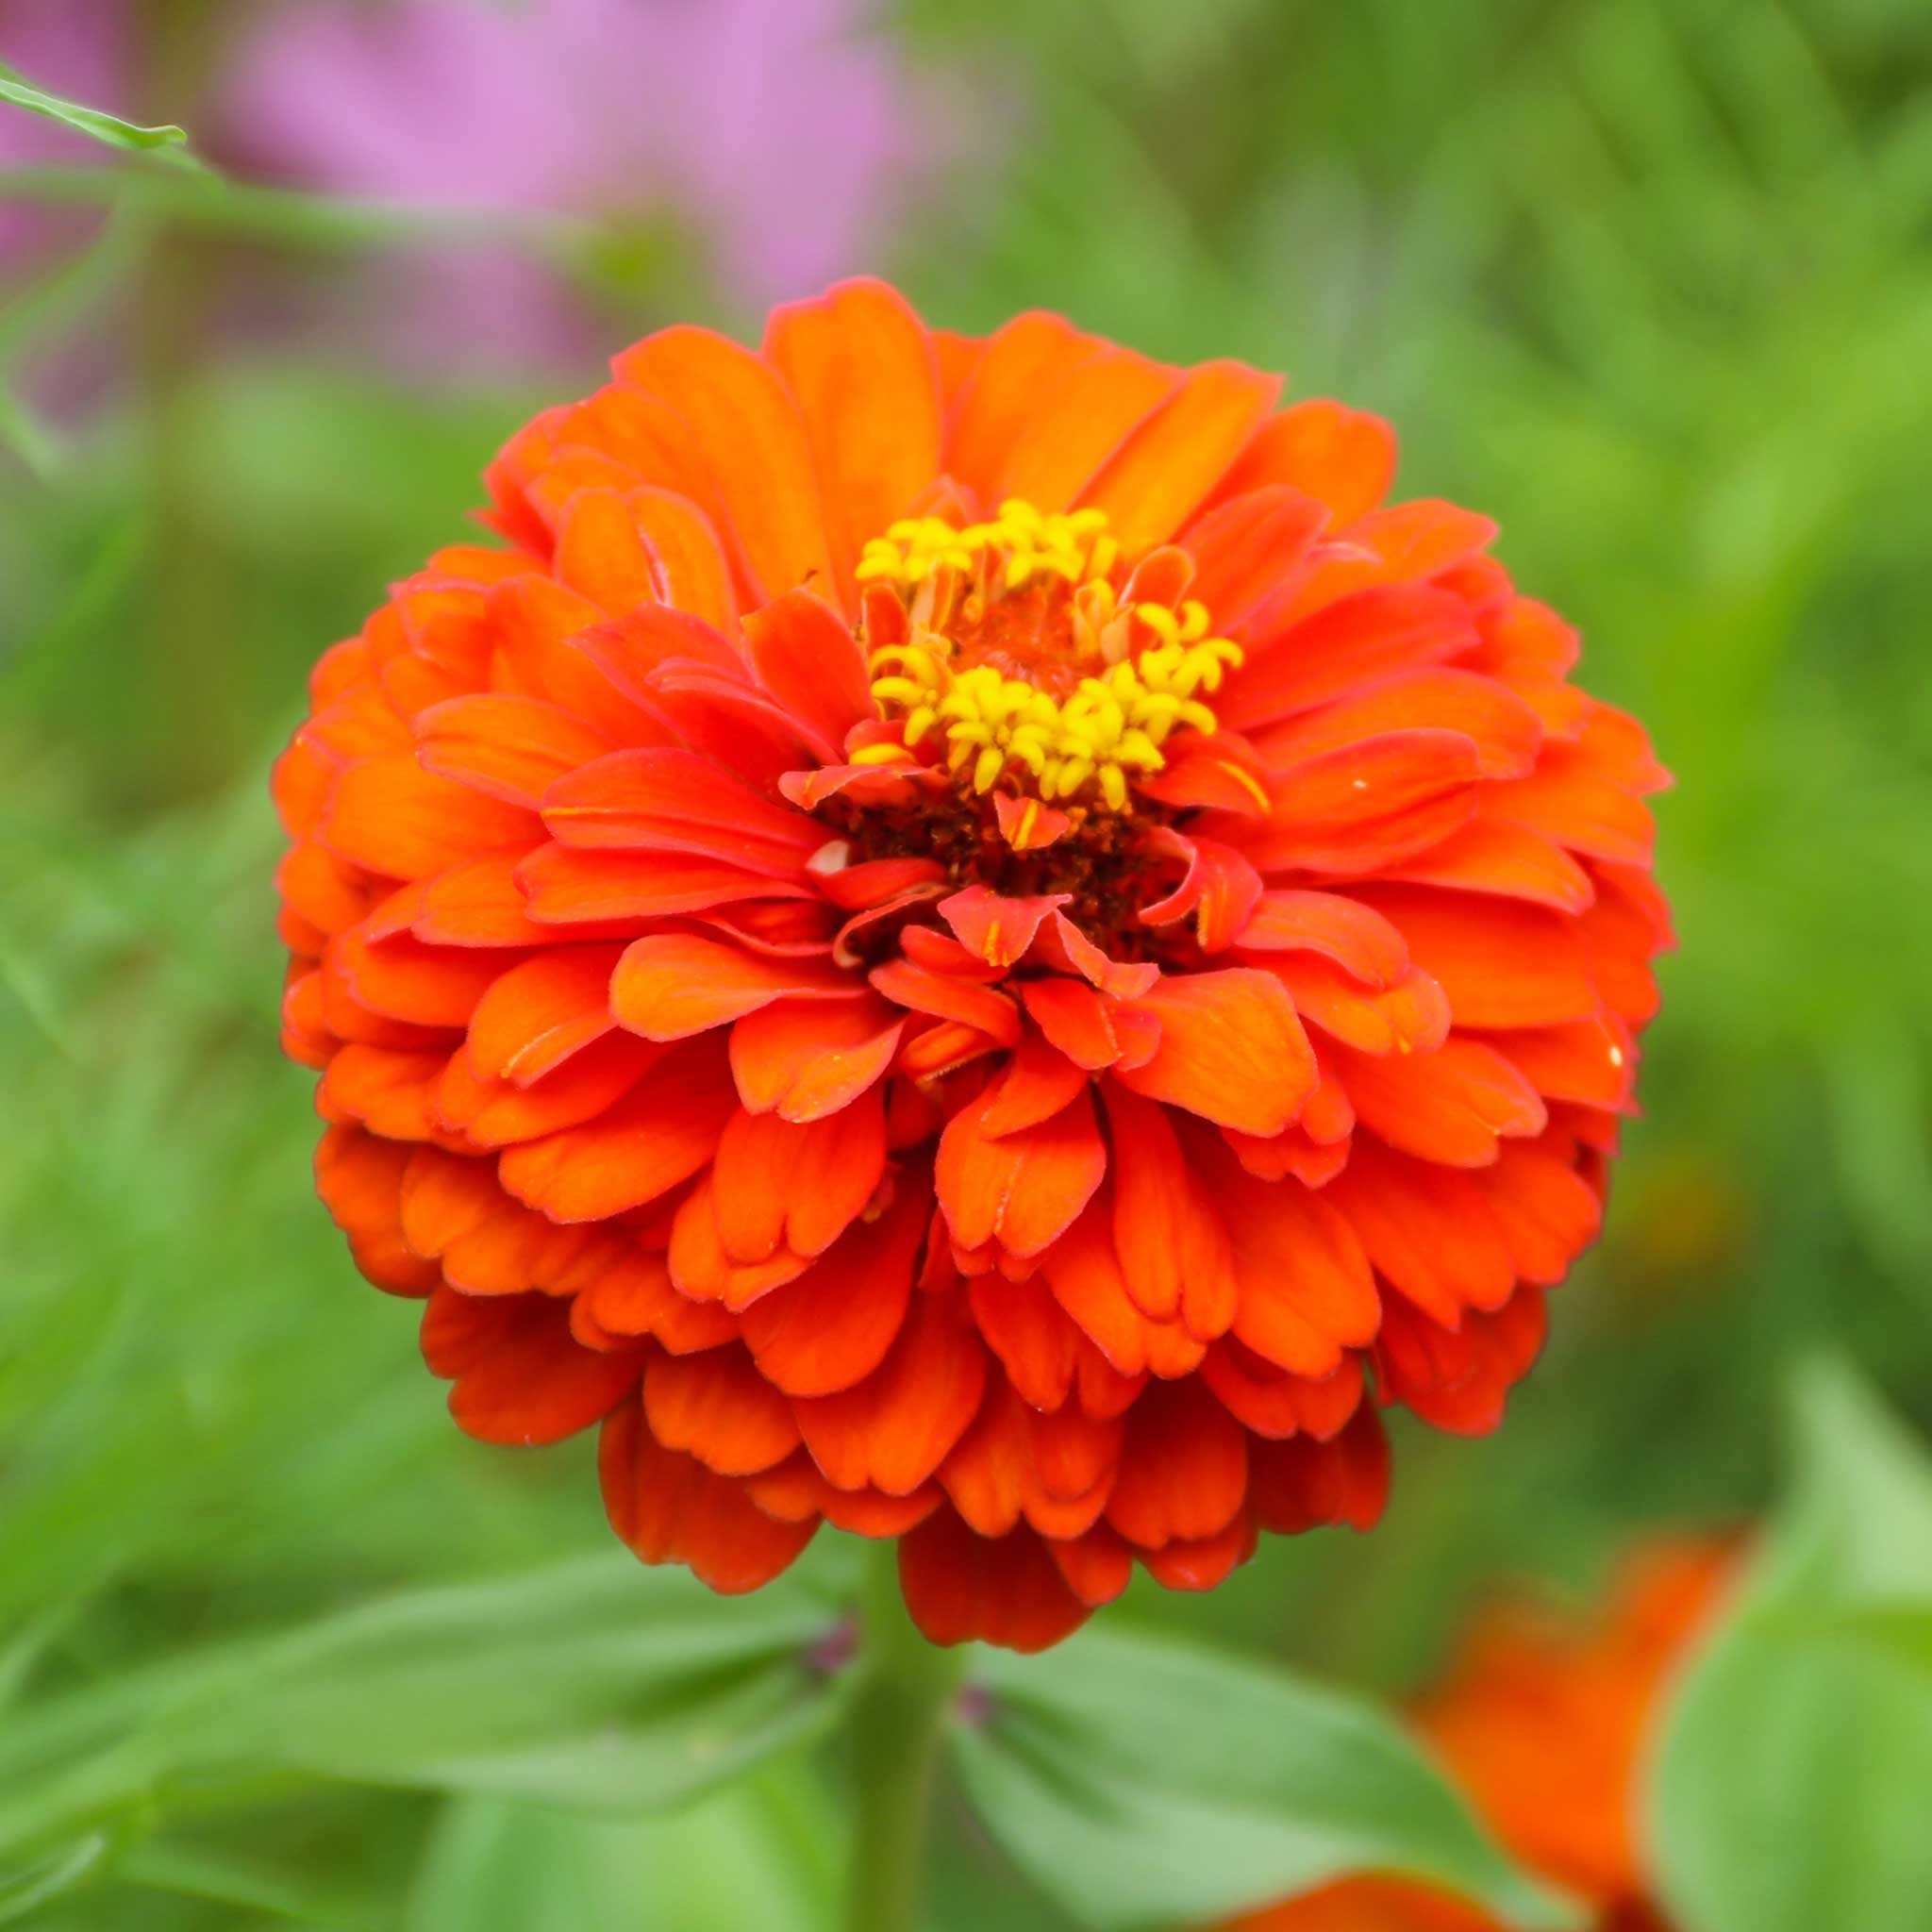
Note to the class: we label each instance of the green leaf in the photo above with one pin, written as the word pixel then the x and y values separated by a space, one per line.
pixel 1139 1782
pixel 595 1684
pixel 26 1887
pixel 169 141
pixel 1791 1789
pixel 755 1856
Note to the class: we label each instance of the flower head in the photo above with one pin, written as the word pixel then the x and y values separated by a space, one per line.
pixel 965 939
pixel 1543 1723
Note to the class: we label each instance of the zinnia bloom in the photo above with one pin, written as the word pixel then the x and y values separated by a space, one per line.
pixel 966 939
pixel 1543 1722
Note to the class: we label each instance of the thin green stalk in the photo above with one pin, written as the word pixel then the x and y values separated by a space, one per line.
pixel 899 1713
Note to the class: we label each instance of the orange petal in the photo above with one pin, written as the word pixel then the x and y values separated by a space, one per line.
pixel 1075 1017
pixel 994 928
pixel 1077 423
pixel 702 1270
pixel 1202 1562
pixel 1428 1229
pixel 1504 731
pixel 538 1014
pixel 1354 936
pixel 670 1508
pixel 360 1179
pixel 670 800
pixel 1246 548
pixel 562 885
pixel 1084 1272
pixel 602 554
pixel 832 1327
pixel 800 1186
pixel 671 985
pixel 866 381
pixel 492 1113
pixel 1449 1105
pixel 1405 542
pixel 520 1377
pixel 1039 1082
pixel 1231 1050
pixel 1567 801
pixel 401 978
pixel 1494 856
pixel 1173 1248
pixel 1369 635
pixel 716 1406
pixel 1344 458
pixel 632 1295
pixel 690 559
pixel 1547 1211
pixel 949 997
pixel 480 904
pixel 1006 1590
pixel 892 1430
pixel 1270 1403
pixel 1593 1061
pixel 733 404
pixel 1023 1189
pixel 1461 1379
pixel 388 1089
pixel 1300 1483
pixel 1026 359
pixel 805 1058
pixel 1622 931
pixel 392 818
pixel 511 748
pixel 1501 962
pixel 661 1133
pixel 1097 1567
pixel 1307 1290
pixel 1037 1344
pixel 807 658
pixel 1163 471
pixel 1183 1471
pixel 1364 807
pixel 1410 1016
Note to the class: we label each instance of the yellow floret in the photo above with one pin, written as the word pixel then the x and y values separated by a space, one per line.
pixel 1112 725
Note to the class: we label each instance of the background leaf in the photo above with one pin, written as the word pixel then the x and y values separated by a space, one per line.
pixel 1791 1788
pixel 168 140
pixel 1142 1782
pixel 595 1684
pixel 761 1856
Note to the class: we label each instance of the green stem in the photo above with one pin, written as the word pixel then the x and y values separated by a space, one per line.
pixel 899 1712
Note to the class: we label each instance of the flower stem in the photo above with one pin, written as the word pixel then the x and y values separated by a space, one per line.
pixel 899 1711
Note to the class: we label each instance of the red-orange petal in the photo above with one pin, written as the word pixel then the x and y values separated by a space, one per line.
pixel 1231 1050
pixel 1006 1590
pixel 860 364
pixel 670 1508
pixel 832 1327
pixel 520 1376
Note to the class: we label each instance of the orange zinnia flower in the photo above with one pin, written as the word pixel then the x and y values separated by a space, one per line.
pixel 1543 1723
pixel 965 937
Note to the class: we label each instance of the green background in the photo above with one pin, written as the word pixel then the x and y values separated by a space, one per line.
pixel 1650 280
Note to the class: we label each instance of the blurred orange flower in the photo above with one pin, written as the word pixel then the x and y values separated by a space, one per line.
pixel 966 938
pixel 1543 1722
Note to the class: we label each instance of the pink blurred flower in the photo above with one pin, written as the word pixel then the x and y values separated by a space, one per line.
pixel 780 132
pixel 70 47
pixel 780 137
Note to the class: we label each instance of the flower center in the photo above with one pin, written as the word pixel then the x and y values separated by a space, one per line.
pixel 1027 653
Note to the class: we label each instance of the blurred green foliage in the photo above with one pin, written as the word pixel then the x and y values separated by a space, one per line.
pixel 1650 280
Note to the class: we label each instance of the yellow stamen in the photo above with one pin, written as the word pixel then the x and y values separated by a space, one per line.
pixel 1150 661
